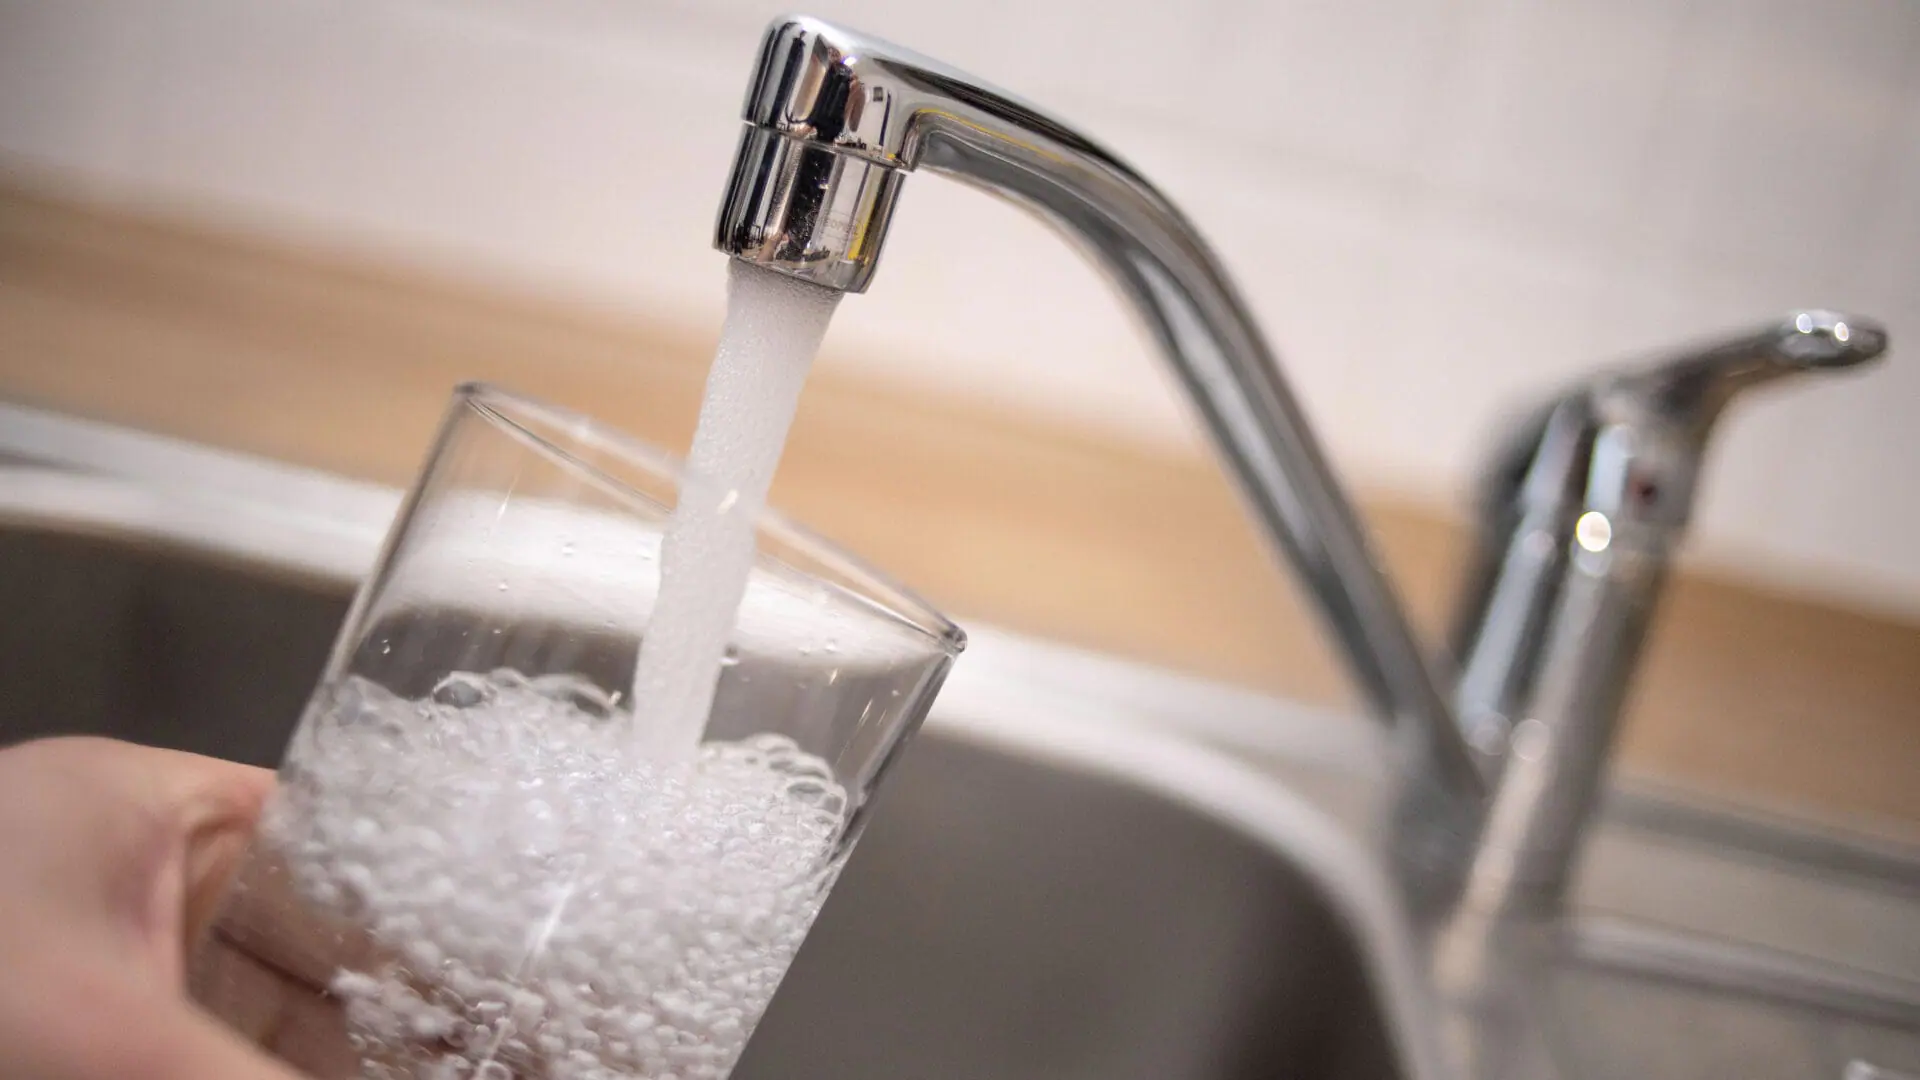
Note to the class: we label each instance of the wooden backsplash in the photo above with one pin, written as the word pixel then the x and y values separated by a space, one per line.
pixel 235 340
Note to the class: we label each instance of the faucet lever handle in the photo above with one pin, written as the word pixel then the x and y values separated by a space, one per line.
pixel 1652 425
pixel 1674 400
pixel 1693 386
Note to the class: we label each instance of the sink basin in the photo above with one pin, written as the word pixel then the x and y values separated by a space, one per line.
pixel 1082 868
pixel 1006 915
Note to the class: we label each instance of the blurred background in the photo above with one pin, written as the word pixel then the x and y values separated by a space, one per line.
pixel 1440 212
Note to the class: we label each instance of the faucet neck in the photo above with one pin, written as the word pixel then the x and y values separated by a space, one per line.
pixel 835 117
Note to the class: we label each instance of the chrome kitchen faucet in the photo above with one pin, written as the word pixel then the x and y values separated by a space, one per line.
pixel 1582 511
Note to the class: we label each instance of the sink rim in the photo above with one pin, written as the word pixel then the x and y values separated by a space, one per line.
pixel 1303 783
pixel 128 485
pixel 82 475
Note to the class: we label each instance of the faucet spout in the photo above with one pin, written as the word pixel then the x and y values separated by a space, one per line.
pixel 834 119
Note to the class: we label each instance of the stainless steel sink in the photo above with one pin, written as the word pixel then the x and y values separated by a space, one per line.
pixel 1006 915
pixel 1083 868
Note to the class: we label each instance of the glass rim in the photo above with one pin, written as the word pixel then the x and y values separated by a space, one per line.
pixel 498 405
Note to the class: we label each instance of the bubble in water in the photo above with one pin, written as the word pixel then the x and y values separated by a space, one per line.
pixel 463 690
pixel 634 919
pixel 576 692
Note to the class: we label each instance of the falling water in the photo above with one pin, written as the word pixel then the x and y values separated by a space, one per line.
pixel 773 329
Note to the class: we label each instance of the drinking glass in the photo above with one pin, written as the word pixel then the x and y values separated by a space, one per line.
pixel 475 865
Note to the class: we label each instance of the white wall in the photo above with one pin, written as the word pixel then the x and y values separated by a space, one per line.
pixel 1437 209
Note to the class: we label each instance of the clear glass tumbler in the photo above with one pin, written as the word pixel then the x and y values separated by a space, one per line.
pixel 475 866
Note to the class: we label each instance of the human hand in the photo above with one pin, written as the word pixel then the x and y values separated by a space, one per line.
pixel 113 860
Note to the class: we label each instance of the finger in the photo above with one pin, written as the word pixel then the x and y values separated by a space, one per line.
pixel 246 994
pixel 290 1018
pixel 215 807
pixel 132 841
pixel 266 918
pixel 66 1020
pixel 313 1038
pixel 220 830
pixel 211 807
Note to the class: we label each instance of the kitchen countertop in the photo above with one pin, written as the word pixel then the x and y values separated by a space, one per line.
pixel 176 326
